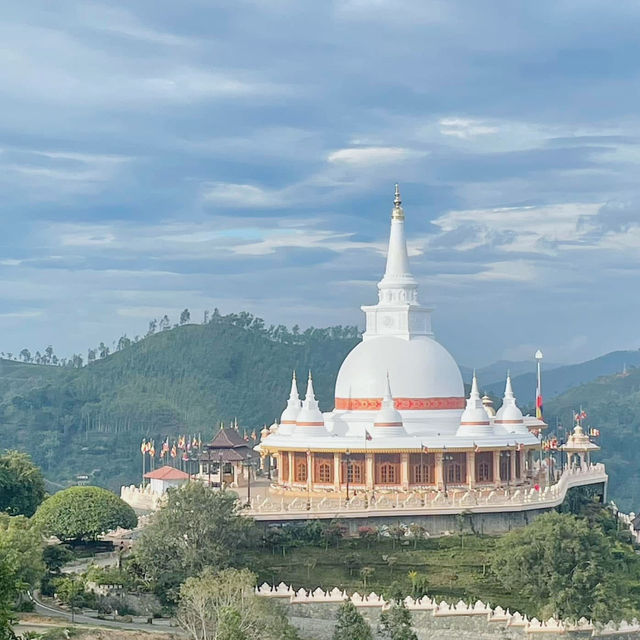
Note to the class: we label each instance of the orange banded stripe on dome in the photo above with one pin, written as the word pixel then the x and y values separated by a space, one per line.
pixel 387 424
pixel 405 404
pixel 476 424
pixel 287 422
pixel 508 421
pixel 310 424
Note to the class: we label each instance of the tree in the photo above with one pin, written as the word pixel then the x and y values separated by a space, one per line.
pixel 352 561
pixel 417 532
pixel 79 513
pixel 350 625
pixel 21 542
pixel 21 565
pixel 365 574
pixel 55 556
pixel 196 528
pixel 185 316
pixel 391 561
pixel 103 350
pixel 70 591
pixel 223 605
pixel 25 355
pixel 566 566
pixel 395 623
pixel 21 484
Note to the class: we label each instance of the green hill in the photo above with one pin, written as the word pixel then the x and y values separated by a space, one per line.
pixel 612 404
pixel 559 379
pixel 91 420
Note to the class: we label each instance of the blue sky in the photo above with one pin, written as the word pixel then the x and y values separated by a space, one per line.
pixel 158 155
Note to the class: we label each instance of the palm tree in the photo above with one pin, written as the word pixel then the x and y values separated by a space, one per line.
pixel 366 573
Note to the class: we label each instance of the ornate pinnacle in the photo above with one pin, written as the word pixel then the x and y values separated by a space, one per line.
pixel 398 213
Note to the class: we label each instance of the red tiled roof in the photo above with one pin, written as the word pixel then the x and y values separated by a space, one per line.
pixel 167 473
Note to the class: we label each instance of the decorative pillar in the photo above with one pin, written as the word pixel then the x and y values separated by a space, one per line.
pixel 369 471
pixel 309 470
pixel 512 463
pixel 439 470
pixel 523 473
pixel 336 471
pixel 291 458
pixel 404 467
pixel 471 469
pixel 496 467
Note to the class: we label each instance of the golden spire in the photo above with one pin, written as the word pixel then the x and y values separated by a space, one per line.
pixel 397 213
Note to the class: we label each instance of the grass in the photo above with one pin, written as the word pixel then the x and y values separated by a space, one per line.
pixel 450 568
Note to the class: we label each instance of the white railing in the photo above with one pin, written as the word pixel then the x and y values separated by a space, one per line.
pixel 428 502
pixel 442 609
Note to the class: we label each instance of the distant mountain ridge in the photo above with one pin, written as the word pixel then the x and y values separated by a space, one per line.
pixel 496 372
pixel 561 378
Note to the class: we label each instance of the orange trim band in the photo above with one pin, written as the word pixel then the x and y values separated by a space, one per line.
pixel 508 421
pixel 288 422
pixel 310 424
pixel 406 404
pixel 475 424
pixel 387 424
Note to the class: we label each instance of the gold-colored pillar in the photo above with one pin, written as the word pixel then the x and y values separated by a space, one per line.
pixel 404 466
pixel 471 469
pixel 439 471
pixel 369 470
pixel 336 471
pixel 496 467
pixel 291 458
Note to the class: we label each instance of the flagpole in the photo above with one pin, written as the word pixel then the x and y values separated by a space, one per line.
pixel 538 358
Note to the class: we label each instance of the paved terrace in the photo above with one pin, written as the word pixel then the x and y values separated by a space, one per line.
pixel 424 503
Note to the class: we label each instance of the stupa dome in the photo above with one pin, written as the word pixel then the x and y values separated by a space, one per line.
pixel 290 414
pixel 388 420
pixel 509 415
pixel 310 421
pixel 475 420
pixel 420 368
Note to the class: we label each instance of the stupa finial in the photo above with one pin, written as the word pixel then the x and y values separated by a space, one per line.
pixel 398 212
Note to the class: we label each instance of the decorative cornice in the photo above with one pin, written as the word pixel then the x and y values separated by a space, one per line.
pixel 403 404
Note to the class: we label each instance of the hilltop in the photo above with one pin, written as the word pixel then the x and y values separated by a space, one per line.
pixel 91 420
pixel 558 379
pixel 186 379
pixel 612 404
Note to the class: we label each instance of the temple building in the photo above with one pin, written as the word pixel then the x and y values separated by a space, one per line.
pixel 227 460
pixel 401 421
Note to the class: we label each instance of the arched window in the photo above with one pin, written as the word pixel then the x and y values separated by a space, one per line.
pixel 455 474
pixel 387 473
pixel 483 472
pixel 484 466
pixel 301 472
pixel 324 472
pixel 421 474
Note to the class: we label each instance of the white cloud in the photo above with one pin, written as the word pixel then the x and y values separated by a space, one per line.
pixel 233 195
pixel 367 156
pixel 465 128
pixel 535 229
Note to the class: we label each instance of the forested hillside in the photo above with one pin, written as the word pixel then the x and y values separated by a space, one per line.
pixel 91 420
pixel 612 404
pixel 558 379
